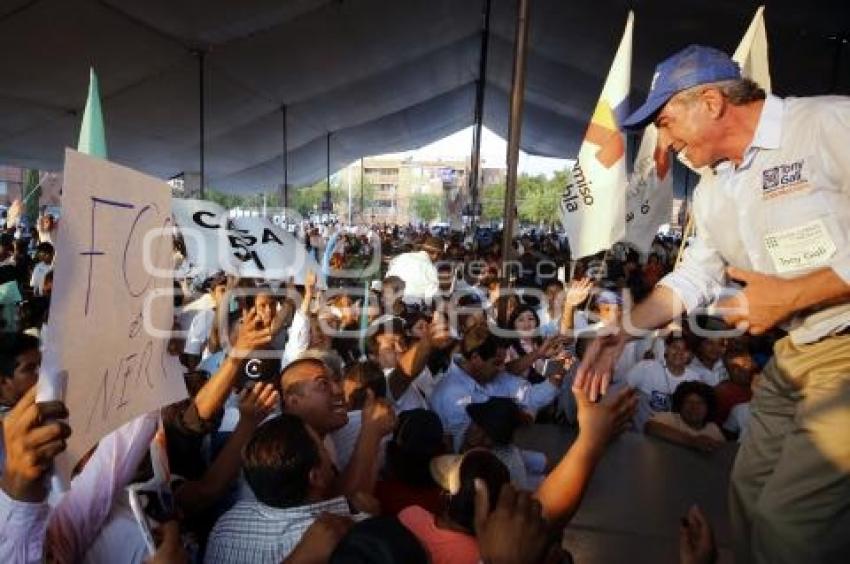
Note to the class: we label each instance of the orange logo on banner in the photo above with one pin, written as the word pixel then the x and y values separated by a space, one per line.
pixel 603 132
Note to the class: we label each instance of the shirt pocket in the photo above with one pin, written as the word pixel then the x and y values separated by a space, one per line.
pixel 796 218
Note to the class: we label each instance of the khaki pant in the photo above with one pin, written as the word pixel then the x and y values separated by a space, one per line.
pixel 790 491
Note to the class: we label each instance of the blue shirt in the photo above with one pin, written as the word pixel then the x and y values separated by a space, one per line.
pixel 458 389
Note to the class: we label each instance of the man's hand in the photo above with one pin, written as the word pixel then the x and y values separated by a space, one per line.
pixel 31 445
pixel 320 539
pixel 310 280
pixel 706 444
pixel 599 422
pixel 378 417
pixel 253 334
pixel 514 532
pixel 696 541
pixel 439 333
pixel 597 366
pixel 765 302
pixel 170 549
pixel 551 346
pixel 577 292
pixel 257 403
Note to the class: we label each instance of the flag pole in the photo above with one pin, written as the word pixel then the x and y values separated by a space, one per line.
pixel 515 126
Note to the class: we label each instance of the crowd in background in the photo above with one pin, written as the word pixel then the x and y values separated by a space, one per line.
pixel 326 423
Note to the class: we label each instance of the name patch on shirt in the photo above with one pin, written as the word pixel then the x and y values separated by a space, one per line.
pixel 783 179
pixel 806 246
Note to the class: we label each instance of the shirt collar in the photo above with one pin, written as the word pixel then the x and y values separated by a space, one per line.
pixel 769 129
pixel 767 136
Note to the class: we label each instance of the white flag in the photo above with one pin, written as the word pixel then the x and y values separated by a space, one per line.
pixel 248 247
pixel 649 196
pixel 593 203
pixel 751 54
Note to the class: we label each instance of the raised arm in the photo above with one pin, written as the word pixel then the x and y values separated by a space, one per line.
pixel 561 492
pixel 252 335
pixel 255 404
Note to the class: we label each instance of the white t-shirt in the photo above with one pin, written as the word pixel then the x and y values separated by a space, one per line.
pixel 39 272
pixel 711 376
pixel 652 378
pixel 199 333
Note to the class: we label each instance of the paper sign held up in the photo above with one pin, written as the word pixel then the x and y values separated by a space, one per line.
pixel 111 305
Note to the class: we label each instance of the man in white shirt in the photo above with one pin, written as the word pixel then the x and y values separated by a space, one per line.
pixel 775 215
pixel 708 359
pixel 44 254
pixel 202 325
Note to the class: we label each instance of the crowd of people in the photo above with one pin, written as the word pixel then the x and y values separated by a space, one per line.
pixel 330 424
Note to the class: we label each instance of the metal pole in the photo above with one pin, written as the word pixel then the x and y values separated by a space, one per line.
pixel 348 178
pixel 202 110
pixel 475 162
pixel 328 187
pixel 515 125
pixel 285 158
pixel 362 194
pixel 840 40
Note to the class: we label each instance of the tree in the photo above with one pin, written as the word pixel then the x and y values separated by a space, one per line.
pixel 32 194
pixel 426 206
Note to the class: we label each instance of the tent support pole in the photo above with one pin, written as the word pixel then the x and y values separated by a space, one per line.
pixel 201 118
pixel 515 126
pixel 362 194
pixel 475 161
pixel 840 40
pixel 285 158
pixel 328 186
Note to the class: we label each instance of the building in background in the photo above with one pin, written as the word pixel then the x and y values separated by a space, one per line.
pixel 392 184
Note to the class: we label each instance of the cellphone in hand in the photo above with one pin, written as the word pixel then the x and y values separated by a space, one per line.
pixel 151 508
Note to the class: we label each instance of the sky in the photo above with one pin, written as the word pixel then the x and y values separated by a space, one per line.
pixel 493 150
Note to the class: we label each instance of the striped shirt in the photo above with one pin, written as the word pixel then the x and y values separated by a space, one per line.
pixel 254 532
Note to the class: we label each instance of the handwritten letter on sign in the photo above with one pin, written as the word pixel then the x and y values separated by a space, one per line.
pixel 104 331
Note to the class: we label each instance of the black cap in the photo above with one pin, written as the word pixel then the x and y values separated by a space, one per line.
pixel 419 431
pixel 378 540
pixel 498 417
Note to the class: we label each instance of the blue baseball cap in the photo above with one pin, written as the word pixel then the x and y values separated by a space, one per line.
pixel 692 66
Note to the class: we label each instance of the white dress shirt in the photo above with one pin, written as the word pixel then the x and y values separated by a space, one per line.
pixel 73 525
pixel 784 211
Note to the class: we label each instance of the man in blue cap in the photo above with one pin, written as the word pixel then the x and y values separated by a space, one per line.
pixel 772 211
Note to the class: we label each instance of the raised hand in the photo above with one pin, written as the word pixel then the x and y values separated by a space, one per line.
pixel 597 365
pixel 577 292
pixel 253 334
pixel 31 442
pixel 256 403
pixel 514 532
pixel 600 422
pixel 378 416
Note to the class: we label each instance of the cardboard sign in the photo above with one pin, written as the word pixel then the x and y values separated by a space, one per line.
pixel 112 307
pixel 248 247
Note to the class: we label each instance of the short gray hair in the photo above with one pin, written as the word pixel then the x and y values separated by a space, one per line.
pixel 738 91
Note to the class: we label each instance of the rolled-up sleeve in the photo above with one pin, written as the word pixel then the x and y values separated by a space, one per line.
pixel 699 278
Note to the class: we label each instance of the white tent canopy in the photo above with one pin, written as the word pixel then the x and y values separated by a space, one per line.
pixel 379 75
